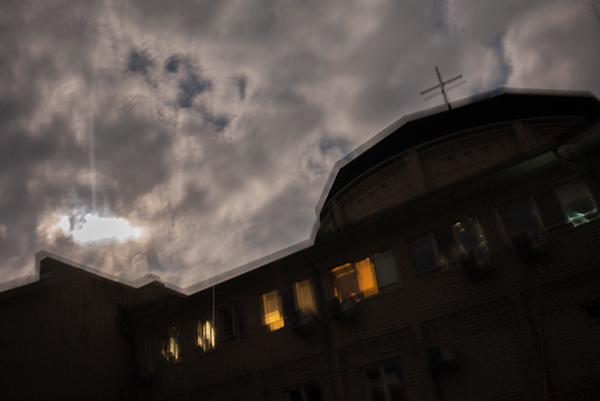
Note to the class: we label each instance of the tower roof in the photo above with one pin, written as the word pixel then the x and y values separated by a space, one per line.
pixel 501 105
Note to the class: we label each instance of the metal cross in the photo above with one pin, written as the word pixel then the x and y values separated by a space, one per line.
pixel 441 85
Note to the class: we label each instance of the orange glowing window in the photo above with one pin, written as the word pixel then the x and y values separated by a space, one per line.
pixel 280 304
pixel 365 277
pixel 272 311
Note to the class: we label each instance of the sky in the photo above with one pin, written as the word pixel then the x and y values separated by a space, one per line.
pixel 186 138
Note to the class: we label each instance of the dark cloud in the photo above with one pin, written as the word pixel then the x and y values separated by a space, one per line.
pixel 172 64
pixel 242 83
pixel 139 61
pixel 218 122
pixel 190 87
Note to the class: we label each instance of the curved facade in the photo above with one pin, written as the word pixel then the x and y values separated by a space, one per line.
pixel 428 153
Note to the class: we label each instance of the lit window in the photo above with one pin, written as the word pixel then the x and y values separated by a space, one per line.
pixel 570 203
pixel 279 304
pixel 386 382
pixel 205 334
pixel 232 323
pixel 580 206
pixel 171 346
pixel 447 244
pixel 305 300
pixel 365 277
pixel 310 392
pixel 272 311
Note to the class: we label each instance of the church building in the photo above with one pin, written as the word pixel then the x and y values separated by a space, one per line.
pixel 456 258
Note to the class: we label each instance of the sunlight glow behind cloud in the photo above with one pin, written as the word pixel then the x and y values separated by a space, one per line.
pixel 100 228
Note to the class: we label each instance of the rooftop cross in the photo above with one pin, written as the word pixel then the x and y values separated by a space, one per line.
pixel 441 85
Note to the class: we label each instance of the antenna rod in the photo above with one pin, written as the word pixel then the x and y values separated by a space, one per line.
pixel 442 84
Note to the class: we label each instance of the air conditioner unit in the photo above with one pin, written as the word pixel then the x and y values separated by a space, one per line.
pixel 477 264
pixel 343 310
pixel 443 357
pixel 530 245
pixel 302 321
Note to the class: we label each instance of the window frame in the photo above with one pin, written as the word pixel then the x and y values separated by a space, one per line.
pixel 171 347
pixel 304 395
pixel 237 324
pixel 544 221
pixel 201 341
pixel 280 298
pixel 376 270
pixel 386 383
pixel 460 248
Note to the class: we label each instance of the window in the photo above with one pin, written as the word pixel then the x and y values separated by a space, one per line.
pixel 170 349
pixel 364 278
pixel 205 334
pixel 232 323
pixel 310 392
pixel 579 205
pixel 386 382
pixel 570 203
pixel 279 304
pixel 445 245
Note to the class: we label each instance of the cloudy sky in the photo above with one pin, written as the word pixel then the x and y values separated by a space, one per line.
pixel 203 133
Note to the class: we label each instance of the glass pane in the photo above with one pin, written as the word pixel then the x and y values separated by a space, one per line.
pixel 304 296
pixel 385 267
pixel 227 323
pixel 549 208
pixel 394 372
pixel 296 395
pixel 378 394
pixel 313 392
pixel 345 283
pixel 239 319
pixel 523 216
pixel 448 251
pixel 365 275
pixel 579 203
pixel 206 335
pixel 374 374
pixel 376 383
pixel 288 301
pixel 424 253
pixel 470 235
pixel 397 391
pixel 273 317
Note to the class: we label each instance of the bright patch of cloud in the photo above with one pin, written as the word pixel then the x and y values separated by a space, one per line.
pixel 95 228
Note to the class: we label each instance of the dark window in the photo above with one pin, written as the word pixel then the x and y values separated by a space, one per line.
pixel 549 208
pixel 310 392
pixel 232 322
pixel 386 382
pixel 445 245
pixel 570 203
pixel 523 216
